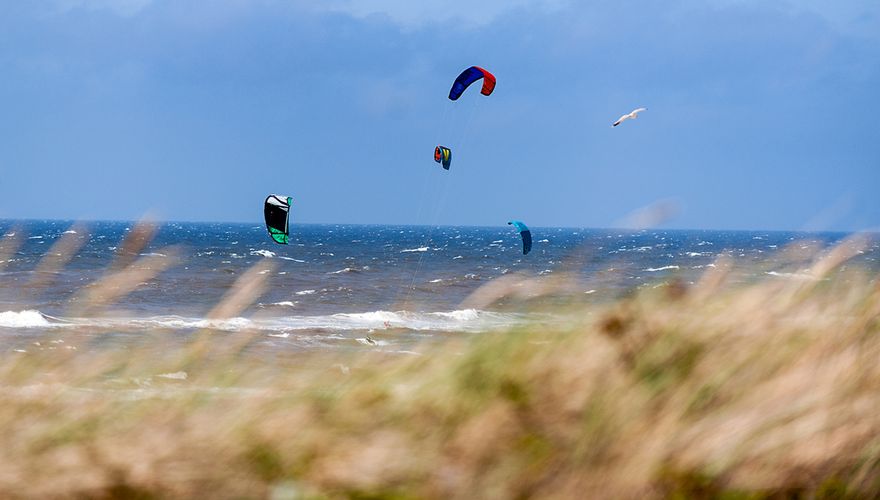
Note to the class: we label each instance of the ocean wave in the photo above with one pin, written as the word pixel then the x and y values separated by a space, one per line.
pixel 664 268
pixel 264 253
pixel 464 320
pixel 305 292
pixel 419 249
pixel 471 320
pixel 23 319
pixel 460 315
pixel 794 276
pixel 345 270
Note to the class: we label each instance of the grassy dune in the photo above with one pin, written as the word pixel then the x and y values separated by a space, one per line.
pixel 770 389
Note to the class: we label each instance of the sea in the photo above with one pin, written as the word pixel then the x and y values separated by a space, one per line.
pixel 341 286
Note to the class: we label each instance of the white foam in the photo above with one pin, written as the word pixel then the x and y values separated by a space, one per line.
pixel 23 319
pixel 264 253
pixel 465 320
pixel 664 268
pixel 419 249
pixel 174 376
pixel 438 280
pixel 305 292
pixel 285 303
pixel 458 257
pixel 70 231
pixel 346 270
pixel 460 315
pixel 795 276
pixel 291 258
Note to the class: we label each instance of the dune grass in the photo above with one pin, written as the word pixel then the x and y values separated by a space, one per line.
pixel 769 389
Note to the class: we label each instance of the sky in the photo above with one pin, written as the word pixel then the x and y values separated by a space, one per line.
pixel 761 114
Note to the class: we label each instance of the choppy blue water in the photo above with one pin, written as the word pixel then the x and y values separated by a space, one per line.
pixel 335 284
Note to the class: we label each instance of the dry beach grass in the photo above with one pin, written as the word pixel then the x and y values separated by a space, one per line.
pixel 716 389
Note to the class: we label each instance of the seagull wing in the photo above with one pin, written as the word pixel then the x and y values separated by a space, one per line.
pixel 639 110
pixel 624 117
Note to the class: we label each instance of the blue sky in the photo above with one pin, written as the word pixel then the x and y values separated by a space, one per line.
pixel 762 114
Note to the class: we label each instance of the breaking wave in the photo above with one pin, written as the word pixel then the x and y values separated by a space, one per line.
pixel 464 320
pixel 420 249
pixel 23 319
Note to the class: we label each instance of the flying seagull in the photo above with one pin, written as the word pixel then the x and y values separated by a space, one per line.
pixel 633 115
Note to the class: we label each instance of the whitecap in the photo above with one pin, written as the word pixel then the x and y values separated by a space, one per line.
pixel 419 249
pixel 291 258
pixel 285 303
pixel 264 253
pixel 459 315
pixel 23 319
pixel 795 276
pixel 346 270
pixel 664 268
pixel 305 292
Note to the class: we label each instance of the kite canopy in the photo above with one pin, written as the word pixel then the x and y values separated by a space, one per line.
pixel 468 77
pixel 525 233
pixel 443 155
pixel 277 210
